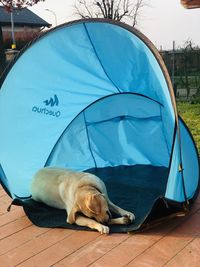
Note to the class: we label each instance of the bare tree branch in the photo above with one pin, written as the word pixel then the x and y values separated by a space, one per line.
pixel 103 10
pixel 104 6
pixel 122 10
pixel 83 14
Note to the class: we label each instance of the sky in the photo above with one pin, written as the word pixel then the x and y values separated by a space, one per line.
pixel 163 22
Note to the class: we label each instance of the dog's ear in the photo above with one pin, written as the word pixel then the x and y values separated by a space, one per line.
pixel 71 218
pixel 93 203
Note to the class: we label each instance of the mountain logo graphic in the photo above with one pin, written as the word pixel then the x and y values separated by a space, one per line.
pixel 52 101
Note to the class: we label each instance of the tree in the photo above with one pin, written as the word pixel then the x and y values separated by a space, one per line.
pixel 10 4
pixel 121 10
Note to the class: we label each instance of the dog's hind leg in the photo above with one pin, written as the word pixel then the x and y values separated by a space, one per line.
pixel 124 213
pixel 121 220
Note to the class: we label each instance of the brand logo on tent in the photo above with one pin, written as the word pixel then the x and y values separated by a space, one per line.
pixel 52 102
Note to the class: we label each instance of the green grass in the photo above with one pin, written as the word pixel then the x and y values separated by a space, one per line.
pixel 191 115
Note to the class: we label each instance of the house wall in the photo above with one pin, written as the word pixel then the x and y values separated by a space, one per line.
pixel 22 35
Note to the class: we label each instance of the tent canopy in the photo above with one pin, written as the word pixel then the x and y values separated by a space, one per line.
pixel 92 94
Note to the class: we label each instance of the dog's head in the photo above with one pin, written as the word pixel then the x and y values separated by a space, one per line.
pixel 92 204
pixel 96 206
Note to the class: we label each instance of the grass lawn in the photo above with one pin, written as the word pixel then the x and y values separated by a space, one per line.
pixel 191 115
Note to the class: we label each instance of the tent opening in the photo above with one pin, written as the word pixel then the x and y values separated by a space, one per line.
pixel 116 138
pixel 121 129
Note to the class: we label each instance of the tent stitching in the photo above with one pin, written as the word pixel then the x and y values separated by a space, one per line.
pixel 89 145
pixel 95 51
pixel 165 137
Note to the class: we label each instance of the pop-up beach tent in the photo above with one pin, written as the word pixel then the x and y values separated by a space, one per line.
pixel 94 95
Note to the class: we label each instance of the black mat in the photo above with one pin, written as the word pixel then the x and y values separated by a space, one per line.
pixel 134 188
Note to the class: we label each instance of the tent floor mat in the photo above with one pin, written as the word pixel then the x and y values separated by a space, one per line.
pixel 137 188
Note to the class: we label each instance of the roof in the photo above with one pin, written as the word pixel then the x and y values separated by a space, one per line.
pixel 22 17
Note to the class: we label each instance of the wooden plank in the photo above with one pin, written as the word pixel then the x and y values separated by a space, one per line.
pixel 5 199
pixel 134 246
pixel 4 207
pixel 13 227
pixel 2 192
pixel 166 248
pixel 175 243
pixel 60 250
pixel 93 250
pixel 34 246
pixel 20 238
pixel 11 216
pixel 118 247
pixel 189 256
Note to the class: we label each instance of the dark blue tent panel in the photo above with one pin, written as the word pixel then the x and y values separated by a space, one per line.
pixel 94 95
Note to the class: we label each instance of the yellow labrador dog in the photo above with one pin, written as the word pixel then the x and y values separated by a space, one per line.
pixel 80 194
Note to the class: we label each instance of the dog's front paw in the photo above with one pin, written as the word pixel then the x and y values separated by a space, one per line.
pixel 103 229
pixel 129 217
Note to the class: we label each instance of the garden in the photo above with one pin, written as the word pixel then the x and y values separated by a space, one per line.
pixel 191 115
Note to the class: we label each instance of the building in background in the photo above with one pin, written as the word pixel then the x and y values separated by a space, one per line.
pixel 27 26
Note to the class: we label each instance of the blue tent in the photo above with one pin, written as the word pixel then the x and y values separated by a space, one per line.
pixel 94 95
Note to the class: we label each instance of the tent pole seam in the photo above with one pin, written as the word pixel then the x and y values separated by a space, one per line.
pixel 165 138
pixel 170 162
pixel 95 51
pixel 181 162
pixel 180 153
pixel 89 144
pixel 171 156
pixel 197 153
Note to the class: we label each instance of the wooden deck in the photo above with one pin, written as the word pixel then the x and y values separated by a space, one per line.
pixel 176 243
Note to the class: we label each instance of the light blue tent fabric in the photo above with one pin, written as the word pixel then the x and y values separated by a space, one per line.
pixel 108 128
pixel 190 164
pixel 91 94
